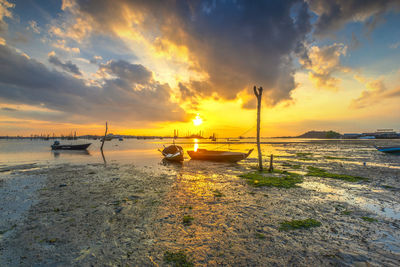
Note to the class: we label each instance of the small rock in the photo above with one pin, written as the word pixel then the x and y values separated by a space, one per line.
pixel 133 197
pixel 62 185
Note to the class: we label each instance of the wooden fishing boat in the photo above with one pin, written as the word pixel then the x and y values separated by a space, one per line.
pixel 58 146
pixel 388 149
pixel 227 156
pixel 173 153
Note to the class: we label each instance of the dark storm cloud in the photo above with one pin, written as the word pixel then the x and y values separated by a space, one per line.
pixel 186 93
pixel 67 66
pixel 27 81
pixel 127 71
pixel 237 43
pixel 334 14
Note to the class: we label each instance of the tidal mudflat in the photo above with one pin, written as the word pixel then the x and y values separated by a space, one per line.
pixel 201 213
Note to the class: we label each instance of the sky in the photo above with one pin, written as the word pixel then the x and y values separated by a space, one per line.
pixel 149 67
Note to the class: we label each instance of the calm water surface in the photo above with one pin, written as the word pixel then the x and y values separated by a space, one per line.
pixel 144 152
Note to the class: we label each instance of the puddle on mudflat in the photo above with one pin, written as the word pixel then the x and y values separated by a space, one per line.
pixel 389 241
pixel 352 194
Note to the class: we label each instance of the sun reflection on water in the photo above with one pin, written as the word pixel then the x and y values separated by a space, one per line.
pixel 196 144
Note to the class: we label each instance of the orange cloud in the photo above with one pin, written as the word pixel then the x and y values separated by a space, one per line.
pixel 323 63
pixel 376 92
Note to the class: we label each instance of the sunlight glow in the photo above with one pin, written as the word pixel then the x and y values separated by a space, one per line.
pixel 197 121
pixel 196 145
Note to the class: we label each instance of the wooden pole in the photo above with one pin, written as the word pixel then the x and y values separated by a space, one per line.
pixel 271 163
pixel 102 144
pixel 258 93
pixel 104 138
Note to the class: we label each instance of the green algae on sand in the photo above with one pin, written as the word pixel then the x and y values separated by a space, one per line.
pixel 277 178
pixel 369 219
pixel 318 172
pixel 178 259
pixel 187 220
pixel 291 165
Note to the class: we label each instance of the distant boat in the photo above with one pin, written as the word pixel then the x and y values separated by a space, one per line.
pixel 121 139
pixel 227 156
pixel 173 153
pixel 388 149
pixel 57 146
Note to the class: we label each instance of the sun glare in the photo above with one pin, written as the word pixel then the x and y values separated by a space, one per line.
pixel 197 121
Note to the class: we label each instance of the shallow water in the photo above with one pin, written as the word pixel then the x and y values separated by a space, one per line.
pixel 144 152
pixel 227 212
pixel 354 194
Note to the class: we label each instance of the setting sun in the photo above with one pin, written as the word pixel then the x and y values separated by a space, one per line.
pixel 198 120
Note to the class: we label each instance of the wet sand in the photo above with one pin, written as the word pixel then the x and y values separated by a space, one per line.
pixel 117 215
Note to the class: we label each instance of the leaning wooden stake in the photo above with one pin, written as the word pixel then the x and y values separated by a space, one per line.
pixel 104 138
pixel 258 93
pixel 102 144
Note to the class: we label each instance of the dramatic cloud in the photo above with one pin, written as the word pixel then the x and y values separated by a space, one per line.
pixel 127 97
pixel 186 94
pixel 34 26
pixel 334 14
pixel 128 72
pixel 5 7
pixel 376 92
pixel 76 29
pixel 62 44
pixel 235 44
pixel 67 66
pixel 96 59
pixel 323 62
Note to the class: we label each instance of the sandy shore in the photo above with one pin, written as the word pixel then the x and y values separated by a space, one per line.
pixel 84 215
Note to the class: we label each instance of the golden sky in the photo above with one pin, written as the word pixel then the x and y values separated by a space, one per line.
pixel 149 68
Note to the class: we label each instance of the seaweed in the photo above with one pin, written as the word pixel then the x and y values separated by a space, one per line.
pixel 187 220
pixel 260 236
pixel 299 224
pixel 218 193
pixel 291 165
pixel 369 219
pixel 347 212
pixel 178 259
pixel 285 180
pixel 317 172
pixel 304 156
pixel 331 157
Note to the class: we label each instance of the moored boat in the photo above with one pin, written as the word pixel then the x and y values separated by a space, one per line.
pixel 211 155
pixel 58 146
pixel 173 153
pixel 388 149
